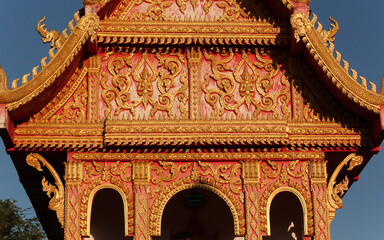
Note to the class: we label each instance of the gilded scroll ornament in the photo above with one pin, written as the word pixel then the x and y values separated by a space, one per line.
pixel 300 25
pixel 159 10
pixel 133 87
pixel 224 174
pixel 247 84
pixel 220 175
pixel 90 22
pixel 56 193
pixel 161 177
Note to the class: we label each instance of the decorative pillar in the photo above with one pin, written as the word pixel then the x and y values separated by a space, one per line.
pixel 73 177
pixel 94 64
pixel 141 178
pixel 318 175
pixel 194 66
pixel 251 181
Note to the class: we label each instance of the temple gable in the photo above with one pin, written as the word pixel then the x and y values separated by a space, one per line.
pixel 177 114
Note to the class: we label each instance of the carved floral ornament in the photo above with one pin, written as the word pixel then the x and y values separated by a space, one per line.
pixel 169 178
pixel 156 84
pixel 167 79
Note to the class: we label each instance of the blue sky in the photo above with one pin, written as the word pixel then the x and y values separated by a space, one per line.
pixel 360 41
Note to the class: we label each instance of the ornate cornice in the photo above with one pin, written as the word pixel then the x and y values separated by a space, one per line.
pixel 319 44
pixel 202 156
pixel 204 32
pixel 190 133
pixel 61 55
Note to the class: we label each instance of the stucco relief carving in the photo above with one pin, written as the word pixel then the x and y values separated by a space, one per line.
pixel 291 175
pixel 69 104
pixel 225 10
pixel 145 85
pixel 97 175
pixel 168 178
pixel 247 84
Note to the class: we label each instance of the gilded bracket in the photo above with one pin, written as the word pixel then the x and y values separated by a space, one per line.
pixel 336 192
pixel 57 200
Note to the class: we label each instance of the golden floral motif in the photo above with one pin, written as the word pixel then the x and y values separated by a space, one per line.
pixel 141 80
pixel 157 9
pixel 161 178
pixel 74 111
pixel 248 79
pixel 110 173
pixel 272 172
pixel 221 174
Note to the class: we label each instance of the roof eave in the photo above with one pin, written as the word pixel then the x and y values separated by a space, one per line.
pixel 320 51
pixel 19 97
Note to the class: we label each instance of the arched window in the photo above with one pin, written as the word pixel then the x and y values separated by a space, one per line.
pixel 107 216
pixel 196 214
pixel 286 217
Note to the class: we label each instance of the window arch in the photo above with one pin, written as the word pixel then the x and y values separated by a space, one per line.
pixel 156 216
pixel 107 203
pixel 196 213
pixel 286 215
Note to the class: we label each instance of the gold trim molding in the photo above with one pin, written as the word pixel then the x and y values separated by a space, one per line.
pixel 202 156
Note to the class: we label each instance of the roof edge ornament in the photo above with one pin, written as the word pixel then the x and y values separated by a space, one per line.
pixel 61 56
pixel 303 1
pixel 102 3
pixel 319 44
pixel 382 86
pixel 48 36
